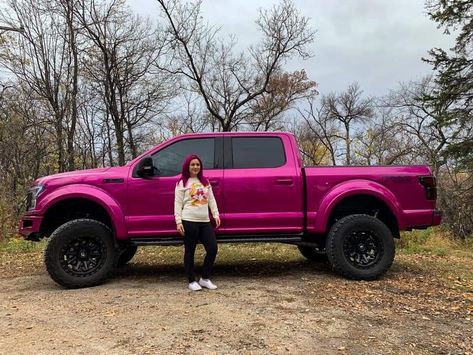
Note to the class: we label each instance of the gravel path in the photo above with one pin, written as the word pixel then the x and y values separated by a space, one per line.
pixel 294 307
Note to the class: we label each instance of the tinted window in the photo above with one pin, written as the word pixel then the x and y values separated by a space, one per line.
pixel 169 160
pixel 258 152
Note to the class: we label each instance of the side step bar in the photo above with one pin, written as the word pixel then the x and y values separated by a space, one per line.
pixel 290 239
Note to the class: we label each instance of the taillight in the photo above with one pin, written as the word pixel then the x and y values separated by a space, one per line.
pixel 430 186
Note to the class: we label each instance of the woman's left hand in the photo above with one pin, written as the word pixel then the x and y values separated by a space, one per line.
pixel 217 222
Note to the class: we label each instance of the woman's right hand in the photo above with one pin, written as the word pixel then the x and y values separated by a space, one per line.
pixel 180 229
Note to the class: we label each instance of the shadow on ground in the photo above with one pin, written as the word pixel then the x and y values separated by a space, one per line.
pixel 261 269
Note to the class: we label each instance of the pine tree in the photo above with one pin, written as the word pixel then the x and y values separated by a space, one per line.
pixel 454 77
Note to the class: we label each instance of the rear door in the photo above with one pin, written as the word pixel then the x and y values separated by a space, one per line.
pixel 263 189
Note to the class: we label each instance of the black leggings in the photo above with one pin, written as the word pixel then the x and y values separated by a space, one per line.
pixel 195 232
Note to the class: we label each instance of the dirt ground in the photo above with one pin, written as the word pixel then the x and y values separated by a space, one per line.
pixel 261 307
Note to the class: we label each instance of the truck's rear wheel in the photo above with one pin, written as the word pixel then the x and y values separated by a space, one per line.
pixel 80 253
pixel 127 253
pixel 360 247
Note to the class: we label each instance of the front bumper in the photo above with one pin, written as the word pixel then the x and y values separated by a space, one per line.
pixel 30 226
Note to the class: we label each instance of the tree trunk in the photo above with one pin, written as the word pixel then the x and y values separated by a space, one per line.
pixel 75 75
pixel 120 143
pixel 109 141
pixel 348 144
pixel 131 141
pixel 59 143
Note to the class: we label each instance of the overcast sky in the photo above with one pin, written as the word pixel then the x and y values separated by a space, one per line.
pixel 377 43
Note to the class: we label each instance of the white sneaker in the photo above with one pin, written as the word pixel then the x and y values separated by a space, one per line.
pixel 207 284
pixel 194 286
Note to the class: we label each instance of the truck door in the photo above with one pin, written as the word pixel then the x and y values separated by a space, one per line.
pixel 263 188
pixel 150 209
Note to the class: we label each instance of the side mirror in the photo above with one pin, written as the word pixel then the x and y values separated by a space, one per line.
pixel 146 167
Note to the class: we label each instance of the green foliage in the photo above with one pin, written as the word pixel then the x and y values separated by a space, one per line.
pixel 7 221
pixel 20 246
pixel 454 73
pixel 432 241
pixel 462 152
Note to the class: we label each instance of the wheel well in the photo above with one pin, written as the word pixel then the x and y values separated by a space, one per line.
pixel 365 204
pixel 70 209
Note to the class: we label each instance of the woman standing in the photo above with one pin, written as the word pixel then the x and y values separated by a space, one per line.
pixel 192 199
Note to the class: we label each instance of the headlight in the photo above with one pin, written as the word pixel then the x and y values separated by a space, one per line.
pixel 33 194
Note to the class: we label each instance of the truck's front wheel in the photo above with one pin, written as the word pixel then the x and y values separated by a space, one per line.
pixel 80 253
pixel 360 247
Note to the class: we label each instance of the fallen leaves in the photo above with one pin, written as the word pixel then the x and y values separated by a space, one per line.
pixel 422 305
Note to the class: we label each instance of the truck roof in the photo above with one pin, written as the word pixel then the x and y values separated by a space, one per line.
pixel 246 133
pixel 214 134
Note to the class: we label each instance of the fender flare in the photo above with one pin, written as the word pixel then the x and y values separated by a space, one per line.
pixel 95 194
pixel 352 188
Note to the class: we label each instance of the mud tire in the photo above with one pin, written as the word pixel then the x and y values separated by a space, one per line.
pixel 80 253
pixel 360 247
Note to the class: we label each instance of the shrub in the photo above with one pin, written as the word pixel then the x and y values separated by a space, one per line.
pixel 437 241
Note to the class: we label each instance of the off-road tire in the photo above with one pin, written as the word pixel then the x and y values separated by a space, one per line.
pixel 312 254
pixel 127 252
pixel 80 253
pixel 360 247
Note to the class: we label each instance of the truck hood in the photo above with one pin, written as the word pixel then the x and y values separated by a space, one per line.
pixel 88 176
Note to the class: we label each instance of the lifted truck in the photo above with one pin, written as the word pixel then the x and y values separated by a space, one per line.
pixel 95 219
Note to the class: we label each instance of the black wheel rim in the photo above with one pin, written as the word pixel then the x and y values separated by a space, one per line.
pixel 363 249
pixel 83 256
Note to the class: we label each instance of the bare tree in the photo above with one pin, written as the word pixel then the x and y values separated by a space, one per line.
pixel 456 197
pixel 190 118
pixel 319 127
pixel 44 57
pixel 348 109
pixel 25 143
pixel 284 90
pixel 92 135
pixel 383 140
pixel 65 9
pixel 231 84
pixel 120 62
pixel 313 152
pixel 432 133
pixel 426 124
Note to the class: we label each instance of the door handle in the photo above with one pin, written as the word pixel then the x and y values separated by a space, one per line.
pixel 284 181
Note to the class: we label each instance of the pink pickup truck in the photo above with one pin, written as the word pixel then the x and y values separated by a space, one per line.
pixel 95 219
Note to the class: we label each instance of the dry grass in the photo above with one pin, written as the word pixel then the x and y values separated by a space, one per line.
pixel 427 250
pixel 433 241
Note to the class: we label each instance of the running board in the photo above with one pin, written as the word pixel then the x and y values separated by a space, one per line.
pixel 291 239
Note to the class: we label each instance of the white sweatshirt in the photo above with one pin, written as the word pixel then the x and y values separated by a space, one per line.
pixel 192 202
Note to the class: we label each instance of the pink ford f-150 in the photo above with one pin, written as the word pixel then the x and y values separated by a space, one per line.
pixel 95 219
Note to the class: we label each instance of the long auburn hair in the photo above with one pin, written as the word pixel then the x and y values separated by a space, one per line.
pixel 185 174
